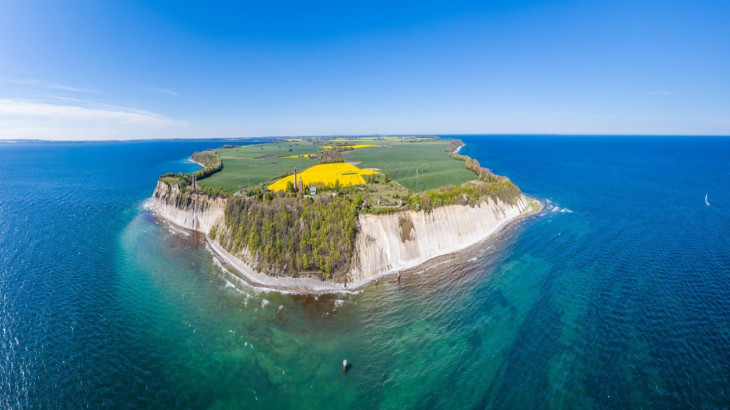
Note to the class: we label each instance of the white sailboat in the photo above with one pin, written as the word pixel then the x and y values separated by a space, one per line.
pixel 706 203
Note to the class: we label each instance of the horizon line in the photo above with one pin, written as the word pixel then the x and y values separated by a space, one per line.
pixel 14 140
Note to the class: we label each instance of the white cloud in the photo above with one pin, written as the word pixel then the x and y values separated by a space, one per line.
pixel 43 120
pixel 165 91
pixel 17 108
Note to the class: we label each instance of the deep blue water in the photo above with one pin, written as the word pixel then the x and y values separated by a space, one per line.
pixel 615 296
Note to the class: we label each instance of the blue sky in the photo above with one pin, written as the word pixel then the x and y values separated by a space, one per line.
pixel 124 69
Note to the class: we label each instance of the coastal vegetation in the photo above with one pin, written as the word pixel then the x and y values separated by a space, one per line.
pixel 406 228
pixel 211 162
pixel 468 194
pixel 283 235
pixel 184 183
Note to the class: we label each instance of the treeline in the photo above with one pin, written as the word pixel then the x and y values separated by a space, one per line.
pixel 210 160
pixel 212 163
pixel 180 179
pixel 293 237
pixel 467 194
pixel 184 183
pixel 329 156
pixel 483 173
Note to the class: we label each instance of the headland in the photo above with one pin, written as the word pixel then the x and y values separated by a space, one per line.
pixel 358 209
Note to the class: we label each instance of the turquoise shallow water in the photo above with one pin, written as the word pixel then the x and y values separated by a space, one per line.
pixel 616 296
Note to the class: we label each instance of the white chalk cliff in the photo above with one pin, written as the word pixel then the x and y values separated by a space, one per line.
pixel 380 246
pixel 384 243
pixel 191 211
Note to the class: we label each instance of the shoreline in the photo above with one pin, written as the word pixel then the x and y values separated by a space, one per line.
pixel 196 162
pixel 310 286
pixel 265 282
pixel 459 149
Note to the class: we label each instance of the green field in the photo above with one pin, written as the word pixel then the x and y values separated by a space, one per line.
pixel 400 160
pixel 259 163
pixel 262 163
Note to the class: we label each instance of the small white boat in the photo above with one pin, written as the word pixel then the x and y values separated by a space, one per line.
pixel 706 203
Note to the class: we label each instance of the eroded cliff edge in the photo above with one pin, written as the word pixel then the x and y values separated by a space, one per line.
pixel 194 211
pixel 387 243
pixel 384 244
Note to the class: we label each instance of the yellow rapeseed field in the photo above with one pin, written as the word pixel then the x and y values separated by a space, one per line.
pixel 299 156
pixel 326 174
pixel 355 146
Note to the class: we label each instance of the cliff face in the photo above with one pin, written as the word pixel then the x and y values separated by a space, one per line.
pixel 384 243
pixel 192 211
pixel 388 243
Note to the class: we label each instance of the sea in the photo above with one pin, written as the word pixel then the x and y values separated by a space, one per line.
pixel 617 295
